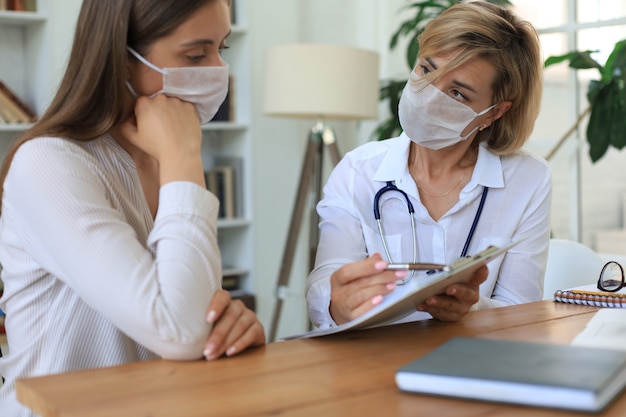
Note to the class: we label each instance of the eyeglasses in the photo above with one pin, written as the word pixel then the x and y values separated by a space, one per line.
pixel 611 277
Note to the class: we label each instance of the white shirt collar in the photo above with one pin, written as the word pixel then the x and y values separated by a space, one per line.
pixel 394 167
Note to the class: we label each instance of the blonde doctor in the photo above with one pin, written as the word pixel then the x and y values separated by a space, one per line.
pixel 455 181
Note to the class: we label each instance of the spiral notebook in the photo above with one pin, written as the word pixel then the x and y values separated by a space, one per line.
pixel 590 295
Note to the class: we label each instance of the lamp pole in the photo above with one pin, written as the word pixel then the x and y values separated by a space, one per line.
pixel 324 82
pixel 321 136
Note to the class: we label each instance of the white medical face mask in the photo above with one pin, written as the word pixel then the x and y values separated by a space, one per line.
pixel 431 118
pixel 204 87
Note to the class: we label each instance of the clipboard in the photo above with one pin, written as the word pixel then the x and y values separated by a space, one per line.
pixel 402 301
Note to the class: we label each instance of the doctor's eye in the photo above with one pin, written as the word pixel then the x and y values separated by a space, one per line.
pixel 423 70
pixel 458 96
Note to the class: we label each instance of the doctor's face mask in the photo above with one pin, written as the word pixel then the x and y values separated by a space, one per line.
pixel 204 87
pixel 431 118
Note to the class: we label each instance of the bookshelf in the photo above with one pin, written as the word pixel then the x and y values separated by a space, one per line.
pixel 34 48
pixel 22 36
pixel 233 139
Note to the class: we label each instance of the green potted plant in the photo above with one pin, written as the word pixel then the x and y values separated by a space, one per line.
pixel 391 90
pixel 606 97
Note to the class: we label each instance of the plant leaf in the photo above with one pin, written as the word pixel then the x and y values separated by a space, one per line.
pixel 395 92
pixel 412 51
pixel 387 129
pixel 615 65
pixel 593 90
pixel 407 25
pixel 598 129
pixel 426 4
pixel 583 60
pixel 577 60
pixel 617 100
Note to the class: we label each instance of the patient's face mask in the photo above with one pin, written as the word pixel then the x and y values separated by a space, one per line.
pixel 204 87
pixel 431 118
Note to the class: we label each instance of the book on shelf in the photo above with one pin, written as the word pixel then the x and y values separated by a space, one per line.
pixel 231 278
pixel 7 111
pixel 219 180
pixel 402 301
pixel 19 5
pixel 590 295
pixel 236 164
pixel 12 109
pixel 230 282
pixel 225 180
pixel 518 372
pixel 226 111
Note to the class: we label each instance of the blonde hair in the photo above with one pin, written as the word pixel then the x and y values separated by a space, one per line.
pixel 483 30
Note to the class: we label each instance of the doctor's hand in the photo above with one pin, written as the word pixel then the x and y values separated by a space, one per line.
pixel 457 300
pixel 235 327
pixel 358 287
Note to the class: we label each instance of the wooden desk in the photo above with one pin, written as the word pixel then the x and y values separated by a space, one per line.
pixel 342 375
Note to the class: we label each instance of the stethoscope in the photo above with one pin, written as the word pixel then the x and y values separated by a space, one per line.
pixel 392 187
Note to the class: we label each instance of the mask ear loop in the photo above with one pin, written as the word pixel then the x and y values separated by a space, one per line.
pixel 145 61
pixel 486 110
pixel 131 89
pixel 148 64
pixel 477 127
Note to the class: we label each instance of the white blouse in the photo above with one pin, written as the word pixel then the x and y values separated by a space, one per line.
pixel 91 280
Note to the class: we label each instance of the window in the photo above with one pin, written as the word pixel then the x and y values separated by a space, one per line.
pixel 588 199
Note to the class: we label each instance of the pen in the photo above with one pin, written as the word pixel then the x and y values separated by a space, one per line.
pixel 418 267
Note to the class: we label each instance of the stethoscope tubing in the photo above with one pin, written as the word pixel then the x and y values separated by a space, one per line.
pixel 479 211
pixel 390 186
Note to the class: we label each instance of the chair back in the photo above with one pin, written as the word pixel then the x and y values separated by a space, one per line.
pixel 570 264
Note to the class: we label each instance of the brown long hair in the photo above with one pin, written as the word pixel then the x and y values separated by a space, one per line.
pixel 484 30
pixel 90 99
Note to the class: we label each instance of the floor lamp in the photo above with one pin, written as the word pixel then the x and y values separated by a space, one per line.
pixel 318 82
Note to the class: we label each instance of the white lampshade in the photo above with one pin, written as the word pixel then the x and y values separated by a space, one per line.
pixel 321 81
